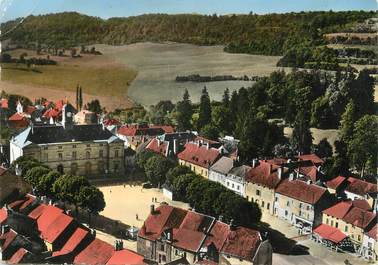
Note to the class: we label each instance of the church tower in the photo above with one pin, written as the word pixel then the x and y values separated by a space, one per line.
pixel 67 117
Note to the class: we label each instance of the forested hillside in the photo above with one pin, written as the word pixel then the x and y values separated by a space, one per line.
pixel 270 34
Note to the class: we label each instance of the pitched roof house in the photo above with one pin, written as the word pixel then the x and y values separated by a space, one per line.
pixel 219 170
pixel 176 233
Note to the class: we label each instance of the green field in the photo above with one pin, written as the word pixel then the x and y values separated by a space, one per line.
pixel 102 81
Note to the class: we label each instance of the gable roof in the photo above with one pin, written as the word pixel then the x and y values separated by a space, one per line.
pixel 311 157
pixel 157 146
pixel 240 171
pixel 335 182
pixel 330 233
pixel 97 252
pixel 265 174
pixel 17 117
pixel 56 228
pixel 223 165
pixel 199 155
pixel 339 210
pixel 359 217
pixel 372 233
pixel 18 256
pixel 362 204
pixel 3 215
pixel 8 238
pixel 58 134
pixel 300 190
pixel 126 257
pixel 360 187
pixel 71 244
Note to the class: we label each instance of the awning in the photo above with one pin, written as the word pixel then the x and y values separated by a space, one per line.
pixel 330 233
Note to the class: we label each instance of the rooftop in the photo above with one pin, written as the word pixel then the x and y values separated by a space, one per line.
pixel 199 155
pixel 300 190
pixel 330 233
pixel 223 165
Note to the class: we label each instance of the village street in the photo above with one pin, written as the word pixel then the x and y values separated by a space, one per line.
pixel 125 202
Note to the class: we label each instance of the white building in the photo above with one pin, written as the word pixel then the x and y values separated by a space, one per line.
pixel 220 169
pixel 235 179
pixel 369 248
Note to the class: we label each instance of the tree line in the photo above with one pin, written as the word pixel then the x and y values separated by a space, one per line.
pixel 75 190
pixel 204 196
pixel 270 34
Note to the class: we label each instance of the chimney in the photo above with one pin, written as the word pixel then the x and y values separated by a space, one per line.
pixel 158 142
pixel 220 218
pixel 309 182
pixel 169 235
pixel 255 162
pixel 175 149
pixel 207 145
pixel 291 177
pixel 232 225
pixel 152 209
pixel 279 172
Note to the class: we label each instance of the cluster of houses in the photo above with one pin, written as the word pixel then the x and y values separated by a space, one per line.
pixel 295 191
pixel 36 231
pixel 339 213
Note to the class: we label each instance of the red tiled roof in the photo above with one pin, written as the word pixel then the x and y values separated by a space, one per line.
pixel 205 140
pixel 15 204
pixel 29 199
pixel 187 239
pixel 312 157
pixel 97 252
pixel 360 187
pixel 30 109
pixel 17 117
pixel 4 103
pixel 18 256
pixel 157 146
pixel 339 210
pixel 51 113
pixel 372 233
pixel 300 190
pixel 3 215
pixel 37 211
pixel 165 128
pixel 335 182
pixel 164 217
pixel 218 235
pixel 9 237
pixel 330 233
pixel 199 155
pixel 127 130
pixel 277 161
pixel 362 204
pixel 47 217
pixel 264 174
pixel 125 257
pixel 60 103
pixel 242 243
pixel 109 122
pixel 359 217
pixel 310 172
pixel 136 129
pixel 71 244
pixel 56 228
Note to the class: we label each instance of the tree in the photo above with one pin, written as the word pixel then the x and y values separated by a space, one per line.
pixel 142 157
pixel 67 187
pixel 204 116
pixel 348 118
pixel 180 185
pixel 363 146
pixel 91 198
pixel 156 169
pixel 226 98
pixel 184 112
pixel 34 175
pixel 177 171
pixel 363 93
pixel 323 149
pixel 222 119
pixel 46 182
pixel 210 131
pixel 94 106
pixel 302 137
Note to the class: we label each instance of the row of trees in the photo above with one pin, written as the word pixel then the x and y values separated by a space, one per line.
pixel 203 195
pixel 75 190
pixel 270 34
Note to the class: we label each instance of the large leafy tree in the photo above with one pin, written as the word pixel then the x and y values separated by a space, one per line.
pixel 34 175
pixel 302 137
pixel 204 116
pixel 362 148
pixel 91 198
pixel 46 182
pixel 156 169
pixel 67 188
pixel 347 122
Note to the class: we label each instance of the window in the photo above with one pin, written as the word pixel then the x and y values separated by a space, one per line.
pixel 287 203
pixel 238 187
pixel 286 212
pixel 74 155
pixel 336 224
pixel 300 205
pixel 262 204
pixel 276 199
pixel 308 207
pixel 60 147
pixel 233 185
pixel 60 155
pixel 268 205
pixel 331 222
pixel 46 157
pixel 45 148
pixel 74 146
pixel 101 153
pixel 115 167
pixel 346 228
pixel 258 192
pixel 162 247
pixel 327 221
pixel 300 213
pixel 88 145
pixel 359 237
pixel 116 153
pixel 88 155
pixel 228 183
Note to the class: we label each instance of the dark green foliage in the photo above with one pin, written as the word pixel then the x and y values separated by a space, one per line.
pixel 91 198
pixel 156 168
pixel 210 131
pixel 34 175
pixel 46 181
pixel 323 149
pixel 177 171
pixel 214 199
pixel 184 112
pixel 301 139
pixel 339 164
pixel 67 187
pixel 142 157
pixel 94 106
pixel 204 116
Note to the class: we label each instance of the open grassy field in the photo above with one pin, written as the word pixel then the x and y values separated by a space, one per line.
pixel 158 64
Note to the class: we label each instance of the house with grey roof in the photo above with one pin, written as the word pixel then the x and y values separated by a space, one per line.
pixel 220 169
pixel 235 179
pixel 89 150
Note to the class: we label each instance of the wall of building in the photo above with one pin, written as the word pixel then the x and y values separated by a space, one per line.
pixel 195 168
pixel 263 196
pixel 369 248
pixel 81 158
pixel 146 248
pixel 15 152
pixel 217 177
pixel 235 184
pixel 355 233
pixel 263 254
